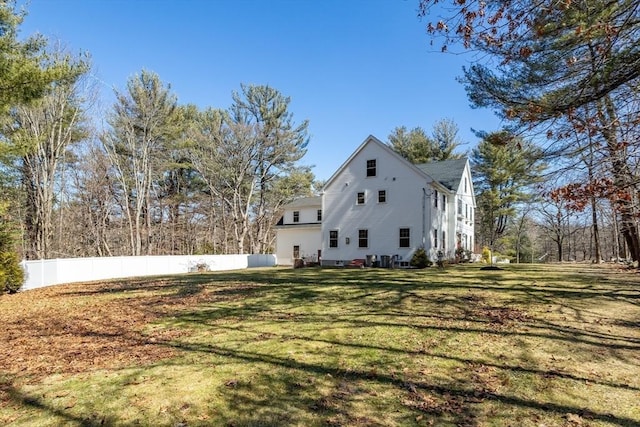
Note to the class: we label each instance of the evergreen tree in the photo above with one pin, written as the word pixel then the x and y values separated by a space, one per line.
pixel 418 147
pixel 504 168
pixel 143 125
pixel 11 273
pixel 548 62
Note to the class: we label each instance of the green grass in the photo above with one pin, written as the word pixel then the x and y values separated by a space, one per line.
pixel 531 345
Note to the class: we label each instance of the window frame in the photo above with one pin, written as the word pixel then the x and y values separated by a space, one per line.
pixel 296 216
pixel 296 251
pixel 364 198
pixel 384 194
pixel 371 168
pixel 363 237
pixel 334 239
pixel 407 238
pixel 319 215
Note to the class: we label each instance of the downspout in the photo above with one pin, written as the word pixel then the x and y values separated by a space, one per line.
pixel 424 216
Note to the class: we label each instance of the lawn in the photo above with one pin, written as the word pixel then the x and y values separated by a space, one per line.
pixel 530 345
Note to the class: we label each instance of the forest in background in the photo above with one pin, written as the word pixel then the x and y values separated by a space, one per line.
pixel 159 177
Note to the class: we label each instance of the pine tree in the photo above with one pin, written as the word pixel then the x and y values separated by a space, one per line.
pixel 11 273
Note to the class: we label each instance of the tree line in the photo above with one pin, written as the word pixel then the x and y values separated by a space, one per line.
pixel 158 178
pixel 166 178
pixel 566 77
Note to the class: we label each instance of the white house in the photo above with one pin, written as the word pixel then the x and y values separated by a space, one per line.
pixel 298 233
pixel 381 208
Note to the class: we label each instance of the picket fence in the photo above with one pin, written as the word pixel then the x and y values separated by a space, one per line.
pixel 69 270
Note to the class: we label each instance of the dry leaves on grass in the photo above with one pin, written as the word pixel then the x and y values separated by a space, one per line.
pixel 47 331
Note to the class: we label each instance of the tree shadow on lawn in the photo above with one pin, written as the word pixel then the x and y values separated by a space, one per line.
pixel 456 400
pixel 12 396
pixel 369 299
pixel 574 286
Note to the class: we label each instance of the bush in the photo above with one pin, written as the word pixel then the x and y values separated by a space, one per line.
pixel 420 259
pixel 486 255
pixel 11 273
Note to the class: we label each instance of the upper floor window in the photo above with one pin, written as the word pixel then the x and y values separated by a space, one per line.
pixel 460 207
pixel 296 216
pixel 382 196
pixel 360 198
pixel 435 199
pixel 465 184
pixel 405 238
pixel 319 215
pixel 371 167
pixel 333 238
pixel 363 238
pixel 444 202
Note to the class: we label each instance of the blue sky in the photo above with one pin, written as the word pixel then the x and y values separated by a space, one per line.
pixel 351 67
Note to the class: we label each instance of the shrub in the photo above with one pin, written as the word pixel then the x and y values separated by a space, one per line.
pixel 486 255
pixel 11 273
pixel 420 259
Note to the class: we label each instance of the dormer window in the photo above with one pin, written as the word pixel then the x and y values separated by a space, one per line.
pixel 371 167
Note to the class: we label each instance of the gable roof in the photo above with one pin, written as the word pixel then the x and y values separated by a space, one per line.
pixel 447 172
pixel 372 140
pixel 305 202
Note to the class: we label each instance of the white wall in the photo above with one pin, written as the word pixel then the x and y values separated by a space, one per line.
pixel 403 207
pixel 56 271
pixel 307 237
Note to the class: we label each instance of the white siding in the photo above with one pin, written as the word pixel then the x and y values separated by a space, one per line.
pixel 307 238
pixel 465 216
pixel 305 233
pixel 406 194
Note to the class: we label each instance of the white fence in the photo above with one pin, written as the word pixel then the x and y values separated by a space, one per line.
pixel 68 270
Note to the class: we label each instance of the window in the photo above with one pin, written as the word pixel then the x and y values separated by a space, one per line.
pixel 363 238
pixel 360 198
pixel 371 167
pixel 296 216
pixel 435 238
pixel 296 252
pixel 435 199
pixel 465 185
pixel 459 207
pixel 444 240
pixel 319 215
pixel 444 202
pixel 333 238
pixel 405 238
pixel 382 196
